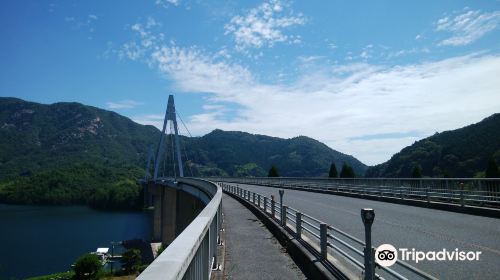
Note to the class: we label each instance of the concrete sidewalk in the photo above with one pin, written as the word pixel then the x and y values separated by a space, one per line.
pixel 252 252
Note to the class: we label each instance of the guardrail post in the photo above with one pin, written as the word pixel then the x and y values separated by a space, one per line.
pixel 265 204
pixel 258 200
pixel 428 196
pixel 281 192
pixel 323 240
pixel 298 225
pixel 368 216
pixel 283 221
pixel 253 198
pixel 272 206
pixel 462 201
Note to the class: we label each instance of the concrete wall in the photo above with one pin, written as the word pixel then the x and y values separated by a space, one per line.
pixel 174 210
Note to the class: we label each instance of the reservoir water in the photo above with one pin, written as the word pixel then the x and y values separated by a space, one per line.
pixel 37 240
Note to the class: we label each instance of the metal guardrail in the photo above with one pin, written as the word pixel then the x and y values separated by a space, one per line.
pixel 192 254
pixel 326 240
pixel 465 191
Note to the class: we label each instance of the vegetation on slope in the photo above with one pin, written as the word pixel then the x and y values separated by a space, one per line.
pixel 462 152
pixel 69 153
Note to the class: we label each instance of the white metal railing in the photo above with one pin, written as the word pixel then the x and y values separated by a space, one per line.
pixel 192 254
pixel 325 239
pixel 464 191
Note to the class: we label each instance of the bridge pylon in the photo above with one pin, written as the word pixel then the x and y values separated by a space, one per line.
pixel 170 115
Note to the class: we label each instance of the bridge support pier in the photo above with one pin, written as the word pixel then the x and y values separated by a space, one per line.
pixel 165 214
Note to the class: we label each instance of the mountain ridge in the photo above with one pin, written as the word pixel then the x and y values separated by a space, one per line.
pixel 462 152
pixel 39 137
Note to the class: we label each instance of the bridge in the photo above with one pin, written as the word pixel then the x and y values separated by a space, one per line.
pixel 330 228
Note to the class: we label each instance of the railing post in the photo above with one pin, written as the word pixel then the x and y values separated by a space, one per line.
pixel 283 215
pixel 323 240
pixel 462 201
pixel 253 198
pixel 265 204
pixel 272 206
pixel 368 216
pixel 258 200
pixel 281 192
pixel 428 196
pixel 298 225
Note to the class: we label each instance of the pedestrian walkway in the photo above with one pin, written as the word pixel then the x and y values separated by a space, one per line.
pixel 252 252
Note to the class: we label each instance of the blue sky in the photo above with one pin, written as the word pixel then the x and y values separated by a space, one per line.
pixel 365 77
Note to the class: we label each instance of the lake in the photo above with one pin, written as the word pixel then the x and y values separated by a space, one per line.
pixel 37 240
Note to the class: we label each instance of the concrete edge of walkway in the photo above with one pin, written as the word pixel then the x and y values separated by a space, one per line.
pixel 466 209
pixel 309 263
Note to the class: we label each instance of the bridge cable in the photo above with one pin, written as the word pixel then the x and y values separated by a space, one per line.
pixel 164 151
pixel 185 149
pixel 184 124
pixel 173 150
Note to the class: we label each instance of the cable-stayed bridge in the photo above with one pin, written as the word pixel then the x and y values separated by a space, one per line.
pixel 330 227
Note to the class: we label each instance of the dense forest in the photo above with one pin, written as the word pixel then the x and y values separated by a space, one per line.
pixel 69 153
pixel 463 152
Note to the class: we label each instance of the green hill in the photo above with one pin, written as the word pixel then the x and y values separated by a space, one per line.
pixel 462 152
pixel 68 153
pixel 243 154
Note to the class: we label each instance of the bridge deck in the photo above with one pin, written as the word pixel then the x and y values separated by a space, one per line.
pixel 251 250
pixel 410 227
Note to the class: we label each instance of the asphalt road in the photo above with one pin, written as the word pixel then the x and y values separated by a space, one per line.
pixel 252 252
pixel 408 227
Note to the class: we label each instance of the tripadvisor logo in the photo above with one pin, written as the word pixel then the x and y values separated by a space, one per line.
pixel 387 255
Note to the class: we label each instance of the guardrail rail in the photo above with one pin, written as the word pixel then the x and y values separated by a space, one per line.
pixel 192 254
pixel 484 192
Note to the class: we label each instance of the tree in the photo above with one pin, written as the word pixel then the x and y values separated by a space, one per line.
pixel 347 171
pixel 87 267
pixel 333 171
pixel 131 260
pixel 273 172
pixel 416 172
pixel 492 169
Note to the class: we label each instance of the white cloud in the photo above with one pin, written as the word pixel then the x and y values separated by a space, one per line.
pixel 430 97
pixel 467 27
pixel 87 23
pixel 147 40
pixel 337 104
pixel 123 104
pixel 263 26
pixel 155 120
pixel 167 3
pixel 408 52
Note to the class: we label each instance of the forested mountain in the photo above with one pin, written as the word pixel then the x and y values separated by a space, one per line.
pixel 243 154
pixel 49 151
pixel 462 152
